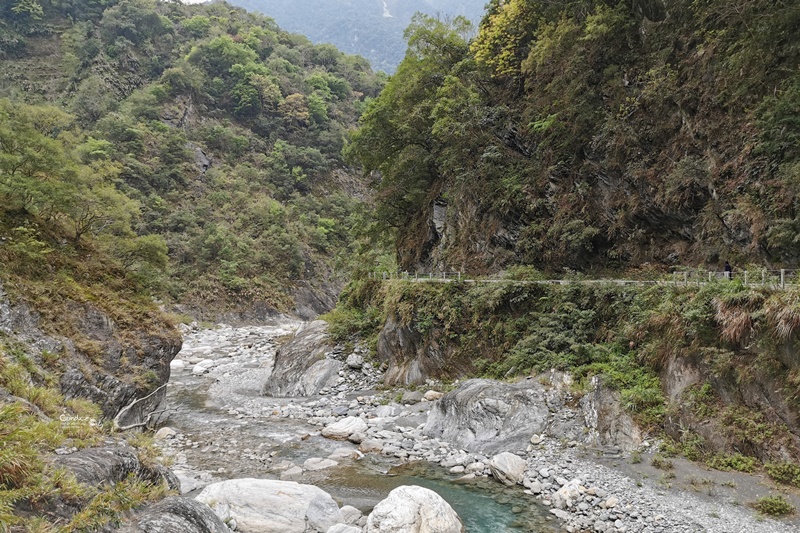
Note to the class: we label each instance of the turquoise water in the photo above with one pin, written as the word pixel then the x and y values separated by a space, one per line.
pixel 484 505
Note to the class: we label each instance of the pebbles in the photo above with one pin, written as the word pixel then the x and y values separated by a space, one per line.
pixel 584 495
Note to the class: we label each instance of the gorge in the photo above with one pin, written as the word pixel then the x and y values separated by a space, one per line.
pixel 214 236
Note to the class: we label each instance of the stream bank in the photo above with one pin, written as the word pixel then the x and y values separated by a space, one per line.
pixel 221 428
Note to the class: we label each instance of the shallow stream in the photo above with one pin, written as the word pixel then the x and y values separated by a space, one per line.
pixel 227 430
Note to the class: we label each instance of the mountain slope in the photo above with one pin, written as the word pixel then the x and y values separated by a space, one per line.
pixel 370 28
pixel 593 134
pixel 221 134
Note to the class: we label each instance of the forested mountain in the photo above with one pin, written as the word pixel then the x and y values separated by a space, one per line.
pixel 371 28
pixel 593 133
pixel 197 148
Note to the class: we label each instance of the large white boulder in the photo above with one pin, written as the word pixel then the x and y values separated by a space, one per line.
pixel 344 528
pixel 508 468
pixel 412 509
pixel 342 429
pixel 270 506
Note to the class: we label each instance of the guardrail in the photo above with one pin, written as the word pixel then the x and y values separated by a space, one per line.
pixel 774 279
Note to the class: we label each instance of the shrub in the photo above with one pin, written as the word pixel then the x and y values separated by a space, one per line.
pixel 787 473
pixel 660 462
pixel 774 506
pixel 736 461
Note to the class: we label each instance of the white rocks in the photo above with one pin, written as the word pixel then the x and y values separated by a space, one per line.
pixel 432 395
pixel 344 528
pixel 177 364
pixel 475 468
pixel 345 453
pixel 165 433
pixel 371 446
pixel 611 502
pixel 293 472
pixel 412 509
pixel 508 468
pixel 568 495
pixel 269 506
pixel 350 515
pixel 342 429
pixel 354 361
pixel 315 463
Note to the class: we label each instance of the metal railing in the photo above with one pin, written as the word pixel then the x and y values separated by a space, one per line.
pixel 773 279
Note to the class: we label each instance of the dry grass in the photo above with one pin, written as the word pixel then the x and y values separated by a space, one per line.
pixel 783 311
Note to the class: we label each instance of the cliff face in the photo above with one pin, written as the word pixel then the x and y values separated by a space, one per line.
pixel 713 368
pixel 591 134
pixel 108 364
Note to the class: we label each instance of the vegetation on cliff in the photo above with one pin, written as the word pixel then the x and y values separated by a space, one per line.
pixel 711 368
pixel 589 133
pixel 149 150
pixel 197 146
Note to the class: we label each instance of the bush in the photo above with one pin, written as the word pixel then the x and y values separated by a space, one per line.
pixel 774 506
pixel 786 473
pixel 736 461
pixel 662 463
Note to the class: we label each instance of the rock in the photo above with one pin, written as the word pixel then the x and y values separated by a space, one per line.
pixel 165 433
pixel 175 514
pixel 475 468
pixel 370 446
pixel 432 395
pixel 611 502
pixel 487 415
pixel 357 438
pixel 537 439
pixel 355 361
pixel 385 411
pixel 350 515
pixel 561 515
pixel 269 506
pixel 412 358
pixel 177 364
pixel 110 464
pixel 293 472
pixel 411 397
pixel 508 468
pixel 312 300
pixel 412 509
pixel 315 463
pixel 342 429
pixel 301 368
pixel 187 482
pixel 609 423
pixel 343 528
pixel 568 495
pixel 345 453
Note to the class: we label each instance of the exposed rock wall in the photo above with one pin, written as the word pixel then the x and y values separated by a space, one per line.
pixel 491 416
pixel 301 368
pixel 412 358
pixel 125 363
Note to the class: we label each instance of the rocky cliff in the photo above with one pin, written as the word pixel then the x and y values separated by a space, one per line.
pixel 111 365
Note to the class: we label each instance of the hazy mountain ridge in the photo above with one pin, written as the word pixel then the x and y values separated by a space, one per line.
pixel 370 28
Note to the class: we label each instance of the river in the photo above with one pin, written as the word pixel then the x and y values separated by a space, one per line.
pixel 225 429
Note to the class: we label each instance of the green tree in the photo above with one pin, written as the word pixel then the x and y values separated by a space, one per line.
pixel 396 137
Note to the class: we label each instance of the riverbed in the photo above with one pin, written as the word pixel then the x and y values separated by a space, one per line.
pixel 221 427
